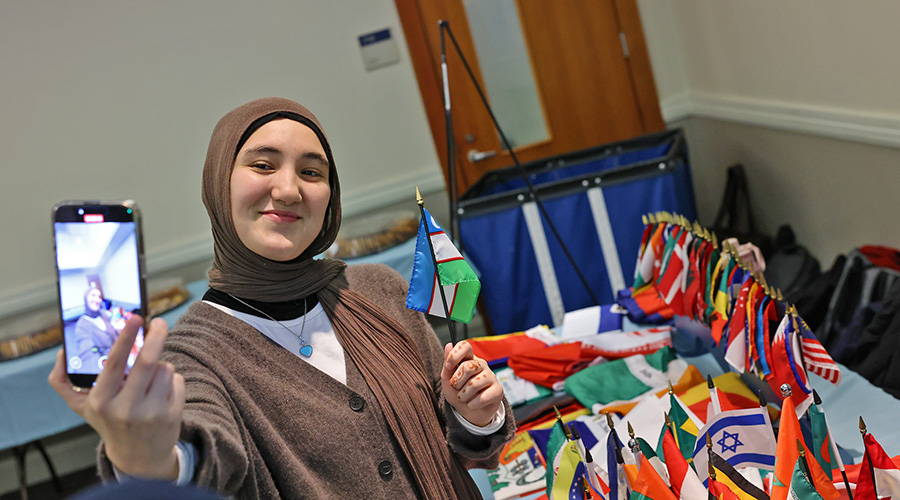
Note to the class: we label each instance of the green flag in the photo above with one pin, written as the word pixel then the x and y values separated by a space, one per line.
pixel 821 442
pixel 801 489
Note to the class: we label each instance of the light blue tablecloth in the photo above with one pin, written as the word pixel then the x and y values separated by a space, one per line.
pixel 29 408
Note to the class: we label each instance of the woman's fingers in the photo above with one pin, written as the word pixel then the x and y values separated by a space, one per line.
pixel 161 384
pixel 147 364
pixel 488 396
pixel 110 379
pixel 460 352
pixel 466 372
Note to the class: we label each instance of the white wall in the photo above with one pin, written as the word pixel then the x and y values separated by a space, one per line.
pixel 108 99
pixel 803 93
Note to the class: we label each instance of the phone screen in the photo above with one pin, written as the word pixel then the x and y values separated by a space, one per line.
pixel 98 249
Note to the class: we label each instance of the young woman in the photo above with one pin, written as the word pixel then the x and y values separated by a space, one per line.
pixel 94 334
pixel 293 377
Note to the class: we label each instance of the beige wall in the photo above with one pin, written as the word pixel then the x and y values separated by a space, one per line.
pixel 804 94
pixel 836 195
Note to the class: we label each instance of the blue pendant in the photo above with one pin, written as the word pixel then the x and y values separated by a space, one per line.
pixel 306 351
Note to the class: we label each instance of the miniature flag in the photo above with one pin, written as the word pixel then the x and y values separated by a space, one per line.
pixel 685 429
pixel 801 488
pixel 817 358
pixel 460 284
pixel 683 478
pixel 786 456
pixel 646 483
pixel 887 475
pixel 729 477
pixel 821 440
pixel 564 468
pixel 743 438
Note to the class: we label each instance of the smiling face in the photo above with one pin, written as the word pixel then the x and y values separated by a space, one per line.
pixel 280 190
pixel 93 299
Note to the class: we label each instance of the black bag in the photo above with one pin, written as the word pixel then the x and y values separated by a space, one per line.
pixel 735 217
pixel 791 268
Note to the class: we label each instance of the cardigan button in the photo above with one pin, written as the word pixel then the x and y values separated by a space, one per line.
pixel 357 403
pixel 386 470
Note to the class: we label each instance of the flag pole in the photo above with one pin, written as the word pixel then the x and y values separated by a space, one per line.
pixel 421 202
pixel 834 449
pixel 862 430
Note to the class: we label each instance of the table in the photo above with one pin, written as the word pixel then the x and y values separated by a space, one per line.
pixel 30 410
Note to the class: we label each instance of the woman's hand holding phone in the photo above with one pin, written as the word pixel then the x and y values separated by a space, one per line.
pixel 138 417
pixel 469 385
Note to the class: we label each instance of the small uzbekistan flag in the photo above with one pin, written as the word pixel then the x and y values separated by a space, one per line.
pixel 461 286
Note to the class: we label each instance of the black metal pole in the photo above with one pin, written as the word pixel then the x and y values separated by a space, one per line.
pixel 451 155
pixel 534 196
pixel 437 277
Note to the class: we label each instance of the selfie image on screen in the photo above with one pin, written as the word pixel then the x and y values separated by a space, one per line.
pixel 99 285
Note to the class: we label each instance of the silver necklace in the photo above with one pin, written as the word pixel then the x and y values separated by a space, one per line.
pixel 305 349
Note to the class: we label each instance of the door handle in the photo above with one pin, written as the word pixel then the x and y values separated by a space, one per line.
pixel 475 156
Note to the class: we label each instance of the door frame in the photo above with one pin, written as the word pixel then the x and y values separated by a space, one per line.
pixel 427 67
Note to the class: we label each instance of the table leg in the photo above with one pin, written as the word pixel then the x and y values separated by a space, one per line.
pixel 57 484
pixel 20 452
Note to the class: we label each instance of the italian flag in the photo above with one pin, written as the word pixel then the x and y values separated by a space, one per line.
pixel 684 480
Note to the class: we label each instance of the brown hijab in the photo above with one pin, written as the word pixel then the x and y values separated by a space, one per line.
pixel 374 341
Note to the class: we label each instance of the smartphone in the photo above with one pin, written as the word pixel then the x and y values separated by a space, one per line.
pixel 101 281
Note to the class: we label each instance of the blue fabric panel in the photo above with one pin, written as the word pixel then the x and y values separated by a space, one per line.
pixel 627 202
pixel 499 246
pixel 572 217
pixel 587 167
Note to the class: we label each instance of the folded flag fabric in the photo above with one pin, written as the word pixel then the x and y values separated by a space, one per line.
pixel 719 491
pixel 621 344
pixel 625 379
pixel 742 438
pixel 644 305
pixel 496 349
pixel 520 470
pixel 461 286
pixel 518 390
pixel 590 321
pixel 551 365
pixel 887 475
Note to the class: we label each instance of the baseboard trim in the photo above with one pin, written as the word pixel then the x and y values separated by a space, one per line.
pixel 880 129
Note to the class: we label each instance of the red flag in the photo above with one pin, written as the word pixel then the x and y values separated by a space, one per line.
pixel 887 475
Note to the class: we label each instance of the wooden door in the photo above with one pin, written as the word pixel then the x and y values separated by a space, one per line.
pixel 591 73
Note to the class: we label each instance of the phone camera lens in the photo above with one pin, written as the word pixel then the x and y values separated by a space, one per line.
pixel 80 211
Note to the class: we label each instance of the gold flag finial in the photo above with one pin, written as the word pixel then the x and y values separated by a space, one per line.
pixel 419 198
pixel 671 389
pixel 609 421
pixel 715 239
pixel 645 220
pixel 652 218
pixel 708 442
pixel 800 449
pixel 779 296
pixel 712 472
pixel 630 431
pixel 862 426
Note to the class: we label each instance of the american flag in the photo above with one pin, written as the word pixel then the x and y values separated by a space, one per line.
pixel 817 359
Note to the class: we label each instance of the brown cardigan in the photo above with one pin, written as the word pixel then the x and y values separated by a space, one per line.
pixel 268 425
